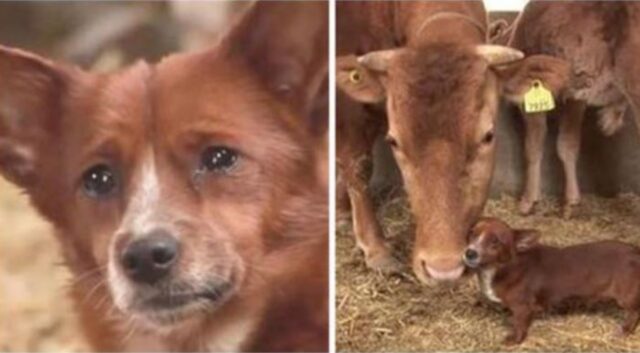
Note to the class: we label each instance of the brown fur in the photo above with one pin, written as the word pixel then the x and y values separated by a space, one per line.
pixel 262 225
pixel 529 278
pixel 441 104
pixel 368 26
pixel 597 41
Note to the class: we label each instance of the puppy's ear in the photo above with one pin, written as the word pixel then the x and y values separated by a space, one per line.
pixel 30 105
pixel 286 45
pixel 525 239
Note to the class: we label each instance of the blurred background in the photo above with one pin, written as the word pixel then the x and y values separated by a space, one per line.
pixel 35 312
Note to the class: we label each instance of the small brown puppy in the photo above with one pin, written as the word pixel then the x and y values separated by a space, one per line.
pixel 527 277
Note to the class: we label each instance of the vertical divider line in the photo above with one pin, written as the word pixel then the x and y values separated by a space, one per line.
pixel 332 175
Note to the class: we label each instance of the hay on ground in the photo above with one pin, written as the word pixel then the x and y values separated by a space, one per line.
pixel 396 313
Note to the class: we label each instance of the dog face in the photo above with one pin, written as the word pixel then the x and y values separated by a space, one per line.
pixel 492 243
pixel 173 181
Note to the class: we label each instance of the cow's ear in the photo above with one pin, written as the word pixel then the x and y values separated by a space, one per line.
pixel 30 104
pixel 525 239
pixel 499 31
pixel 518 77
pixel 286 45
pixel 357 81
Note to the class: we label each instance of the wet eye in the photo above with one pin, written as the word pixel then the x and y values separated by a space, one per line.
pixel 99 181
pixel 391 141
pixel 488 137
pixel 219 158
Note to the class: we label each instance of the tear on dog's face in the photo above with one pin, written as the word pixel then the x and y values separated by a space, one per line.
pixel 170 185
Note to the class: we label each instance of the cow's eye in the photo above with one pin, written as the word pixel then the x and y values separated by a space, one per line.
pixel 219 158
pixel 99 181
pixel 391 141
pixel 488 137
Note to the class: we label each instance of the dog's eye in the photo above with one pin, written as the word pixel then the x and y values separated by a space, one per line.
pixel 219 158
pixel 99 181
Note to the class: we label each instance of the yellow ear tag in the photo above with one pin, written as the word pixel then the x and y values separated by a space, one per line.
pixel 538 99
pixel 354 76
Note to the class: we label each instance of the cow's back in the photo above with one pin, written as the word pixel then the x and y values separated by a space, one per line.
pixel 589 35
pixel 364 26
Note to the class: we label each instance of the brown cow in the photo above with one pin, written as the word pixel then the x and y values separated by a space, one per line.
pixel 441 85
pixel 598 44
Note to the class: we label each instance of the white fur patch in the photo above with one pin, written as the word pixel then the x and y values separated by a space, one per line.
pixel 139 218
pixel 485 278
pixel 142 209
pixel 230 337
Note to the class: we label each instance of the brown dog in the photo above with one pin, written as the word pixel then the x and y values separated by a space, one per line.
pixel 185 194
pixel 526 277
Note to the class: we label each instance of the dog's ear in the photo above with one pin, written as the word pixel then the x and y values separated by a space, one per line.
pixel 30 105
pixel 285 44
pixel 525 239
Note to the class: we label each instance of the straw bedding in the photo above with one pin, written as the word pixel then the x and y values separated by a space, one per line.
pixel 396 313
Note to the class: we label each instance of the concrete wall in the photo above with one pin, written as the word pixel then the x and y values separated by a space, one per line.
pixel 607 165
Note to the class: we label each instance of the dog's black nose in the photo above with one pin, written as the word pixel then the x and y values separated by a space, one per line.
pixel 150 258
pixel 470 255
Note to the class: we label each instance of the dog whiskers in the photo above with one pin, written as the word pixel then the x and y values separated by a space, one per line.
pixel 85 276
pixel 87 297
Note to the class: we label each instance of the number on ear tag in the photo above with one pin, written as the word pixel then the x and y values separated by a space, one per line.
pixel 538 99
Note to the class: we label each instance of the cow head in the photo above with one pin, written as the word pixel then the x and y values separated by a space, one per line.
pixel 442 103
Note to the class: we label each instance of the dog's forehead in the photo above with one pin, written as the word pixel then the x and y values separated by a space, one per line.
pixel 492 224
pixel 206 91
pixel 481 227
pixel 104 111
pixel 488 228
pixel 181 94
